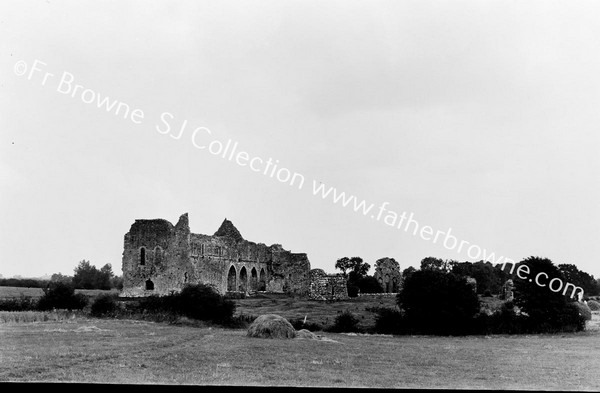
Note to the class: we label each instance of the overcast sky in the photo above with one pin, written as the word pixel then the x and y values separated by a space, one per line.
pixel 479 116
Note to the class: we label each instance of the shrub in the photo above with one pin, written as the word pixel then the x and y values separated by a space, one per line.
pixel 346 322
pixel 369 284
pixel 505 321
pixel 593 305
pixel 61 296
pixel 103 305
pixel 455 303
pixel 487 293
pixel 388 321
pixel 584 310
pixel 22 303
pixel 195 301
pixel 202 302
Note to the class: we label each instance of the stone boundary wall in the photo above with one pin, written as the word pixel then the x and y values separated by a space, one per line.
pixel 378 294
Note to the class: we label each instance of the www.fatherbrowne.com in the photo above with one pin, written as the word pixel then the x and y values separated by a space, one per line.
pixel 202 138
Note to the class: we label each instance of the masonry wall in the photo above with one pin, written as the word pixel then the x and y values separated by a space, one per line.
pixel 325 286
pixel 174 257
pixel 165 252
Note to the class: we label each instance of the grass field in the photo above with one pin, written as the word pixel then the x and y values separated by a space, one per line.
pixel 323 313
pixel 123 351
pixel 11 292
pixel 61 346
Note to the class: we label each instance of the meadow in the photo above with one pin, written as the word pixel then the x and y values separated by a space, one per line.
pixel 12 292
pixel 60 346
pixel 127 351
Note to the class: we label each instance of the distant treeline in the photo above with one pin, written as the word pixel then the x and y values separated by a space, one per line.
pixel 23 282
pixel 86 276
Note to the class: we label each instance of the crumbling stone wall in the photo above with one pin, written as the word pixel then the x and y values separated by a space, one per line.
pixel 325 286
pixel 159 258
pixel 387 273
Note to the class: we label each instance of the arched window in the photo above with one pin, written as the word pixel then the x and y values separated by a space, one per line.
pixel 262 280
pixel 142 256
pixel 253 279
pixel 243 280
pixel 149 285
pixel 231 279
pixel 157 255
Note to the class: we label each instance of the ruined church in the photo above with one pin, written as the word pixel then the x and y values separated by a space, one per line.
pixel 160 257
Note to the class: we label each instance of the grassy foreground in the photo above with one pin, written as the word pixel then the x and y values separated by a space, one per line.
pixel 125 351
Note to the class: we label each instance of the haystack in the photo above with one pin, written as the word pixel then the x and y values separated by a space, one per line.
pixel 303 333
pixel 271 326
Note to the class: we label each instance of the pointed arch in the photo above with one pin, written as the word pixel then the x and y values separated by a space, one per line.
pixel 253 279
pixel 243 286
pixel 149 285
pixel 231 279
pixel 262 280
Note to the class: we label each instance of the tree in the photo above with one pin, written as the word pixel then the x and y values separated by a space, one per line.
pixel 354 265
pixel 484 273
pixel 580 278
pixel 408 272
pixel 431 263
pixel 88 276
pixel 59 277
pixel 548 311
pixel 354 269
pixel 117 282
pixel 105 276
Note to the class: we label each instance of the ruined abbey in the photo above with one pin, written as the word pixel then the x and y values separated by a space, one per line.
pixel 160 257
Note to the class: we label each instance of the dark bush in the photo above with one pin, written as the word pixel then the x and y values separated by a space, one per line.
pixel 369 284
pixel 388 321
pixel 104 305
pixel 61 296
pixel 202 302
pixel 196 301
pixel 487 293
pixel 436 302
pixel 505 321
pixel 346 322
pixel 22 303
pixel 352 291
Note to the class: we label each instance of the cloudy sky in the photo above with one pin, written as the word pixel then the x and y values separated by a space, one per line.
pixel 479 116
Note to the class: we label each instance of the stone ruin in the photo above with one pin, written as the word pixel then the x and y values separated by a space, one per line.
pixel 508 290
pixel 159 258
pixel 325 286
pixel 472 283
pixel 387 273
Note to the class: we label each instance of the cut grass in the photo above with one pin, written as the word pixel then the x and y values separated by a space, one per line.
pixel 15 292
pixel 125 351
pixel 37 316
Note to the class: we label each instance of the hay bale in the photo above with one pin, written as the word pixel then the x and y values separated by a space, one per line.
pixel 307 334
pixel 271 326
